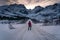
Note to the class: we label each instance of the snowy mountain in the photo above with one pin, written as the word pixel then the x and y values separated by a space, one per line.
pixel 13 11
pixel 37 9
pixel 49 14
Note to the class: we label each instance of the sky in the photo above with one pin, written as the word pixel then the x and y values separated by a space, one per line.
pixel 30 4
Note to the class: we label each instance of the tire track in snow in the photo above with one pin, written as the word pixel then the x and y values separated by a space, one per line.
pixel 28 36
pixel 21 34
pixel 45 35
pixel 18 33
pixel 39 36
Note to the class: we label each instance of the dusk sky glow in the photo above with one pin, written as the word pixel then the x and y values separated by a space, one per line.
pixel 30 4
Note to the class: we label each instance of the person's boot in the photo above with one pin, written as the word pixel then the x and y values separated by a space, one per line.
pixel 28 28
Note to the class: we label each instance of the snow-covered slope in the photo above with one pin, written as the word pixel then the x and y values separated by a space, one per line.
pixel 13 10
pixel 37 9
pixel 51 12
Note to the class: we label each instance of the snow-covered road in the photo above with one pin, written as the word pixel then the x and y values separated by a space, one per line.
pixel 21 33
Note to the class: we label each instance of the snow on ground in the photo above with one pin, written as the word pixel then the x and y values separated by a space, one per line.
pixel 21 32
pixel 50 29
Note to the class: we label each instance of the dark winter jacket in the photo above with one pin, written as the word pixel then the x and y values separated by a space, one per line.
pixel 29 24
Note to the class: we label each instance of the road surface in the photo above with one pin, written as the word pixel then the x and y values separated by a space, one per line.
pixel 36 33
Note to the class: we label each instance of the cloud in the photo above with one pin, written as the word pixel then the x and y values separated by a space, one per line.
pixel 27 1
pixel 30 2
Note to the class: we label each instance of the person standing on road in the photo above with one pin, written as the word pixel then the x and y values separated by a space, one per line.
pixel 29 25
